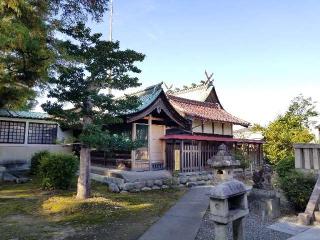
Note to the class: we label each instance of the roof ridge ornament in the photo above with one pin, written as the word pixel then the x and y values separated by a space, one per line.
pixel 209 77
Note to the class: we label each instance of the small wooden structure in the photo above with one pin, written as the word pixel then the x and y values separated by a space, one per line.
pixel 180 129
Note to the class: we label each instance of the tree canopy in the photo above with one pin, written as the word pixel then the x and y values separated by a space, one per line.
pixel 289 128
pixel 27 34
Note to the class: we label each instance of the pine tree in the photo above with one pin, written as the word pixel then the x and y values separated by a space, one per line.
pixel 87 66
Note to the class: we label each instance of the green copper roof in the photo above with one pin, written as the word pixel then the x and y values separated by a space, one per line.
pixel 23 114
pixel 147 96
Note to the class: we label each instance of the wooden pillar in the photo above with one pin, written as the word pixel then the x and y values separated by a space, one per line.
pixel 181 156
pixel 133 152
pixel 149 140
pixel 200 159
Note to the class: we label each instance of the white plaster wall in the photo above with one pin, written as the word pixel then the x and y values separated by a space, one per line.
pixel 24 152
pixel 217 128
pixel 228 129
pixel 196 126
pixel 207 127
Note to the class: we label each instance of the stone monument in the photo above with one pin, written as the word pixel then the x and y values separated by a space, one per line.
pixel 223 164
pixel 263 194
pixel 229 204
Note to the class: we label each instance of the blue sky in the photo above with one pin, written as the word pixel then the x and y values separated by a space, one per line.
pixel 262 53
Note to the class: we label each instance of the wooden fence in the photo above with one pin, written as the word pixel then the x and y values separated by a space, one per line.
pixel 307 156
pixel 121 159
pixel 188 156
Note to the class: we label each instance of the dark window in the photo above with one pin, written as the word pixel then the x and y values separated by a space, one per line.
pixel 142 134
pixel 12 132
pixel 41 133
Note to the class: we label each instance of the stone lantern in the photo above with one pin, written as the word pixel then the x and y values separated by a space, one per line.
pixel 223 164
pixel 229 204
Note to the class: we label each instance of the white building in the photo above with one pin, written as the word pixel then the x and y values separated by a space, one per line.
pixel 24 133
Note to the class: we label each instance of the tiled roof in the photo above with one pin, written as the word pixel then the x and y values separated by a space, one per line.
pixel 204 110
pixel 198 92
pixel 23 114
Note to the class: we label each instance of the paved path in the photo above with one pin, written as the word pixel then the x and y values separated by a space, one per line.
pixel 311 234
pixel 299 232
pixel 182 221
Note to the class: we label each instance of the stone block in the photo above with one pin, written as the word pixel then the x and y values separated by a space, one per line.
pixel 22 180
pixel 124 192
pixel 208 182
pixel 114 180
pixel 139 185
pixel 210 176
pixel 149 183
pixel 155 187
pixel 128 186
pixel 135 190
pixel 183 180
pixel 304 218
pixel 317 216
pixel 191 184
pixel 193 179
pixel 272 207
pixel 165 187
pixel 158 182
pixel 113 188
pixel 201 183
pixel 144 189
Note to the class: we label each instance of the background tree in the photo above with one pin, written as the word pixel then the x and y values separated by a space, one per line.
pixel 289 128
pixel 24 55
pixel 85 67
pixel 27 33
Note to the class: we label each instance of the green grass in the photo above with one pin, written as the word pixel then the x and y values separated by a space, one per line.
pixel 27 212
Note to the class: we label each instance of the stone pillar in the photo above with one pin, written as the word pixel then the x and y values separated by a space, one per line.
pixel 220 231
pixel 238 229
pixel 298 158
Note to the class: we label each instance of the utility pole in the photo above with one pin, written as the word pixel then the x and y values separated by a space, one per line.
pixel 110 20
pixel 110 32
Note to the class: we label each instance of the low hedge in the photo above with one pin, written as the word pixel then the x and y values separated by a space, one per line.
pixel 57 170
pixel 35 161
pixel 297 187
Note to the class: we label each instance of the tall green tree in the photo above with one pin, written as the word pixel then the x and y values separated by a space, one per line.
pixel 27 33
pixel 24 55
pixel 289 128
pixel 85 68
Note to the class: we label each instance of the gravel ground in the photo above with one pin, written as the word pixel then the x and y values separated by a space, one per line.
pixel 255 228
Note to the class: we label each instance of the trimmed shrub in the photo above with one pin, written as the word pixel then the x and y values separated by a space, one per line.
pixel 35 161
pixel 285 166
pixel 58 170
pixel 297 187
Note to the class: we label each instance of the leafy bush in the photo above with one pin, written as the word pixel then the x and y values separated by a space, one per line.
pixel 35 161
pixel 297 187
pixel 241 156
pixel 285 166
pixel 58 170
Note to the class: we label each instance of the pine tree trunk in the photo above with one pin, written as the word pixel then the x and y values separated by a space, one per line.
pixel 83 188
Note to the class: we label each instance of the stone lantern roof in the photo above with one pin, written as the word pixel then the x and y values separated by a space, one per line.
pixel 228 189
